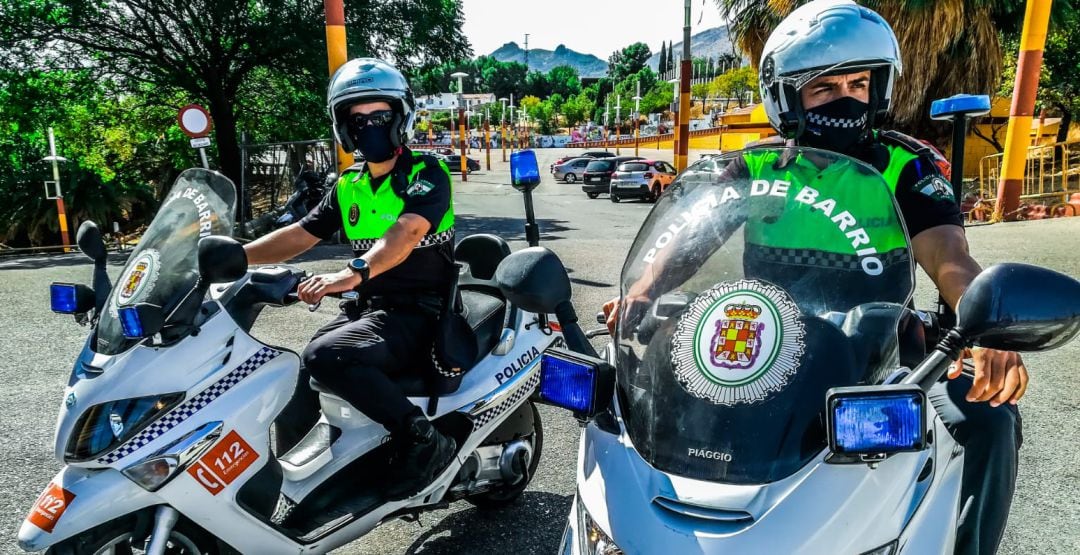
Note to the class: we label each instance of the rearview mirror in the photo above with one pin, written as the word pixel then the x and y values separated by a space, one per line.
pixel 534 279
pixel 221 259
pixel 89 240
pixel 1018 307
pixel 524 170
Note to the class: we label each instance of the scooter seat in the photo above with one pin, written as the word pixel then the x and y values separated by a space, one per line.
pixel 485 314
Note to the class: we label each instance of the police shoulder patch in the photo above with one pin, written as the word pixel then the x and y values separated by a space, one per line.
pixel 935 187
pixel 420 188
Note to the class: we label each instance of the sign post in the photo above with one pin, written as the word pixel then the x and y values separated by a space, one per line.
pixel 195 122
pixel 56 193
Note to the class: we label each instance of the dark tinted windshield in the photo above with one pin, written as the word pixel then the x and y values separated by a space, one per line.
pixel 164 266
pixel 600 166
pixel 633 167
pixel 757 282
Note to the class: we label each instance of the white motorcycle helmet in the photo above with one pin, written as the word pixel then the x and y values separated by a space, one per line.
pixel 368 80
pixel 826 37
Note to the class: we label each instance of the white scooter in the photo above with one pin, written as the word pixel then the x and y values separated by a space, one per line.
pixel 165 425
pixel 771 381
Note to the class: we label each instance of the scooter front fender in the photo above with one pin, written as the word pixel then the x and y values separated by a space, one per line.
pixel 78 499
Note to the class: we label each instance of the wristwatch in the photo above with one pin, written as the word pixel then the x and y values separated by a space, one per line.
pixel 360 266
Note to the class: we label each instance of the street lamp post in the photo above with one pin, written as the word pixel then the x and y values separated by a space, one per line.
pixel 607 111
pixel 675 121
pixel 461 122
pixel 618 123
pixel 502 126
pixel 637 119
pixel 487 136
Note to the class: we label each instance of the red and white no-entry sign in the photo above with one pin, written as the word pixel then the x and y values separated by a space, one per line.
pixel 195 121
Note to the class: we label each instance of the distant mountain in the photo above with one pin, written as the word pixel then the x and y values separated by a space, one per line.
pixel 545 60
pixel 708 43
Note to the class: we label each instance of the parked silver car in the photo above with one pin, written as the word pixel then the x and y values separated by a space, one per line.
pixel 571 170
pixel 645 179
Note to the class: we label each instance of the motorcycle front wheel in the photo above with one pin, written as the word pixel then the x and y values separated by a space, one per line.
pixel 129 535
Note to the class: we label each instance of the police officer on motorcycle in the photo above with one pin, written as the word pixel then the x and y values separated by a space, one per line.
pixel 827 75
pixel 396 210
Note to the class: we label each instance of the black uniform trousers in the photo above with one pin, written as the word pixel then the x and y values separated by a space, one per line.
pixel 354 355
pixel 991 437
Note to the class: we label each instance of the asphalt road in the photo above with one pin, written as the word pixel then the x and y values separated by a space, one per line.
pixel 591 237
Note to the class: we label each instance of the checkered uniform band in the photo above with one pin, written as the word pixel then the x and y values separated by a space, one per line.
pixel 842 123
pixel 820 259
pixel 188 408
pixel 429 240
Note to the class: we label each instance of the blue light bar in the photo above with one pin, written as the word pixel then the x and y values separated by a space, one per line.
pixel 567 384
pixel 885 423
pixel 130 323
pixel 969 105
pixel 63 298
pixel 523 168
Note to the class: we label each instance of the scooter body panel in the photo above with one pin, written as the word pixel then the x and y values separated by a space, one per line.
pixel 229 377
pixel 822 508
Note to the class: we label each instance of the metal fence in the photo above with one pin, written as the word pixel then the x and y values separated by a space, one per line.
pixel 267 177
pixel 1050 171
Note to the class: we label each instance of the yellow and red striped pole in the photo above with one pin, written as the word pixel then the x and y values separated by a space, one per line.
pixel 337 54
pixel 1018 136
pixel 685 71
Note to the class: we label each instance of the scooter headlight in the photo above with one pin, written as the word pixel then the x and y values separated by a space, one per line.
pixel 592 539
pixel 106 426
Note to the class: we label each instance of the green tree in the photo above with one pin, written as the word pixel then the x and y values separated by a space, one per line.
pixel 663 67
pixel 209 49
pixel 736 84
pixel 564 80
pixel 628 61
pixel 936 38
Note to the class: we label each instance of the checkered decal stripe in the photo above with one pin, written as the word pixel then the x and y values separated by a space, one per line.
pixel 821 259
pixel 186 409
pixel 481 419
pixel 843 123
pixel 429 240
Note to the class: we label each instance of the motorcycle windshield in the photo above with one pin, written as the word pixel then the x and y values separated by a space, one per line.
pixel 744 299
pixel 164 267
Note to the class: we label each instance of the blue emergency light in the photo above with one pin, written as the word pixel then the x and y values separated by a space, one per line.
pixel 876 420
pixel 576 382
pixel 524 170
pixel 70 298
pixel 130 323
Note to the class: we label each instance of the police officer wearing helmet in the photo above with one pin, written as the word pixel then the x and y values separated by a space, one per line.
pixel 827 75
pixel 397 212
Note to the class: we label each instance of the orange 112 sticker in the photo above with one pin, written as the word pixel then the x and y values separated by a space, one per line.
pixel 50 507
pixel 222 464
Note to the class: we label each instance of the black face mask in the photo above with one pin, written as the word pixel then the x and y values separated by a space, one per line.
pixel 373 142
pixel 837 126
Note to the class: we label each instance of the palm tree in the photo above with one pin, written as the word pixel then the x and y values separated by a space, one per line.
pixel 948 47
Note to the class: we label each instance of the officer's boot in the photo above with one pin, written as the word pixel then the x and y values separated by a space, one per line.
pixel 421 452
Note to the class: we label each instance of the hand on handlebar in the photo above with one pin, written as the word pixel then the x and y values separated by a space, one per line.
pixel 313 290
pixel 613 308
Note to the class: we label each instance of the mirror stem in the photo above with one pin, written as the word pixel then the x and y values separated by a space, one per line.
pixel 532 231
pixel 575 338
pixel 947 351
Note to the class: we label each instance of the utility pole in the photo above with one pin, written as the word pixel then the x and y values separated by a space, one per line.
pixel 607 111
pixel 502 126
pixel 461 123
pixel 526 52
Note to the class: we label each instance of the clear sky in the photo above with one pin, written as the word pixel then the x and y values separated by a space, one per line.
pixel 597 27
